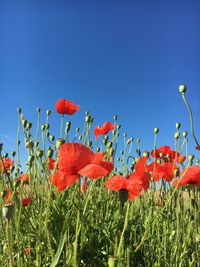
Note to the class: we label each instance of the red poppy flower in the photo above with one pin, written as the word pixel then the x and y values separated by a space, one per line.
pixel 66 107
pixel 133 185
pixel 50 164
pixel 104 129
pixel 24 178
pixel 7 194
pixel 189 176
pixel 162 170
pixel 27 250
pixel 141 170
pixel 26 201
pixel 75 160
pixel 7 163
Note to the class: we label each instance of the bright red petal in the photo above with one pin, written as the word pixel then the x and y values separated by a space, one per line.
pixel 73 157
pixel 95 171
pixel 116 183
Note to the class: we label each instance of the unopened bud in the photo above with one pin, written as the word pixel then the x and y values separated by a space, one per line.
pixel 38 110
pixel 182 88
pixel 59 142
pixel 176 173
pixel 13 153
pixel 129 141
pixel 43 127
pixel 178 125
pixel 177 135
pixel 19 110
pixel 24 123
pixel 109 145
pixel 52 138
pixel 118 126
pixel 115 117
pixel 48 112
pixel 185 134
pixel 191 157
pixel 29 125
pixel 156 130
pixel 40 153
pixel 49 153
pixel 68 126
pixel 146 154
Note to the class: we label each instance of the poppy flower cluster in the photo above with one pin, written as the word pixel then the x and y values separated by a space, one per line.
pixel 75 160
pixel 6 164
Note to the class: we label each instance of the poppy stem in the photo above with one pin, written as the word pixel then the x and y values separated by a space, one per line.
pixel 191 119
pixel 61 125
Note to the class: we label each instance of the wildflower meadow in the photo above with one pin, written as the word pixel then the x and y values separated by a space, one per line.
pixel 80 201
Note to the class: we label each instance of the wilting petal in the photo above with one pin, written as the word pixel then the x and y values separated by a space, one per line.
pixel 73 157
pixel 116 183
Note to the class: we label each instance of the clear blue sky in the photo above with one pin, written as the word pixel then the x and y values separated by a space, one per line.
pixel 111 57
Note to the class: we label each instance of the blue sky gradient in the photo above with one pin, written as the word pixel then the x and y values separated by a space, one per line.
pixel 113 57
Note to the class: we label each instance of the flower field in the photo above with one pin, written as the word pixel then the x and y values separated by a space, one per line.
pixel 82 202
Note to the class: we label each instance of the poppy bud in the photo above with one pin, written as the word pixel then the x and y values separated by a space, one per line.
pixel 197 162
pixel 13 153
pixel 18 142
pixel 138 140
pixel 19 110
pixel 111 152
pixel 177 135
pixel 43 127
pixel 178 125
pixel 122 152
pixel 47 125
pixel 156 130
pixel 49 153
pixel 48 112
pixel 138 151
pixel 87 118
pixel 118 126
pixel 98 149
pixel 29 144
pixel 29 125
pixel 8 210
pixel 130 140
pixel 123 196
pixel 24 123
pixel 125 134
pixel 77 130
pixel 115 117
pixel 52 138
pixel 68 126
pixel 91 120
pixel 191 157
pixel 86 113
pixel 37 143
pixel 5 155
pixel 176 173
pixel 185 134
pixel 80 137
pixel 112 261
pixel 109 145
pixel 182 88
pixel 146 154
pixel 90 144
pixel 106 137
pixel 38 110
pixel 59 142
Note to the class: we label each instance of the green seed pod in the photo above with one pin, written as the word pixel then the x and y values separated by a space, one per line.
pixel 98 149
pixel 118 126
pixel 111 152
pixel 156 130
pixel 52 138
pixel 48 112
pixel 38 110
pixel 182 88
pixel 106 137
pixel 185 134
pixel 86 113
pixel 178 125
pixel 138 140
pixel 115 117
pixel 87 118
pixel 59 142
pixel 47 125
pixel 77 130
pixel 47 134
pixel 129 141
pixel 125 134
